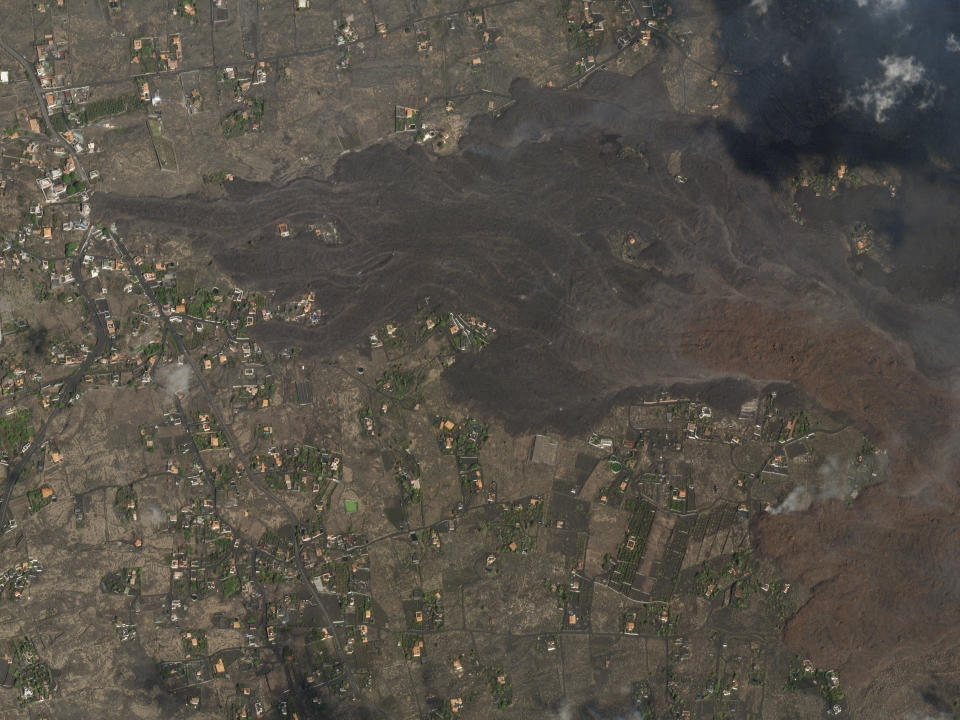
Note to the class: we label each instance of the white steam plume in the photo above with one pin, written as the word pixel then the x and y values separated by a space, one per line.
pixel 883 5
pixel 833 487
pixel 175 379
pixel 901 76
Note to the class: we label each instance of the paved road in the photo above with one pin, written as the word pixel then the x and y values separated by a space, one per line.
pixel 70 384
pixel 42 101
pixel 66 392
pixel 231 438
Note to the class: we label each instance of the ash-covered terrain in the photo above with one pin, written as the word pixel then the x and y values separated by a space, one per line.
pixel 616 245
pixel 540 359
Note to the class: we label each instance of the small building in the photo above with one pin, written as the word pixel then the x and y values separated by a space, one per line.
pixel 601 443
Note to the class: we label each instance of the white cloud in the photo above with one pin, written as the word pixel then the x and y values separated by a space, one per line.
pixel 953 43
pixel 882 5
pixel 761 6
pixel 901 76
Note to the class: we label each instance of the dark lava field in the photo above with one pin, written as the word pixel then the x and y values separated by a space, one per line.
pixel 528 227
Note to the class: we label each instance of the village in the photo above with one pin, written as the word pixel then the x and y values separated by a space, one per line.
pixel 238 529
pixel 408 525
pixel 275 518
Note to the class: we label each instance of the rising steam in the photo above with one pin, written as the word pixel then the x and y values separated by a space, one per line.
pixel 175 379
pixel 833 486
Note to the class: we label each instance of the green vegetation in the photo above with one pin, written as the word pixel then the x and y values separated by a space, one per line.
pixel 60 122
pixel 39 498
pixel 231 586
pixel 243 120
pixel 212 440
pixel 194 643
pixel 630 551
pixel 224 476
pixel 31 675
pixel 780 603
pixel 396 381
pixel 706 583
pixel 797 426
pixel 125 503
pixel 125 581
pixel 150 349
pixel 145 54
pixel 406 471
pixel 654 617
pixel 216 178
pixel 302 468
pixel 120 105
pixel 15 431
pixel 501 688
pixel 200 303
pixel 514 525
pixel 402 122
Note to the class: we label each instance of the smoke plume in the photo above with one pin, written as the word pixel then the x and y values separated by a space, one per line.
pixel 175 379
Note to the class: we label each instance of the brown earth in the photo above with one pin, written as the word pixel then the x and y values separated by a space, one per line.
pixel 884 576
pixel 518 228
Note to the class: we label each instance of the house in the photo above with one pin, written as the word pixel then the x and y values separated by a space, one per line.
pixel 601 443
